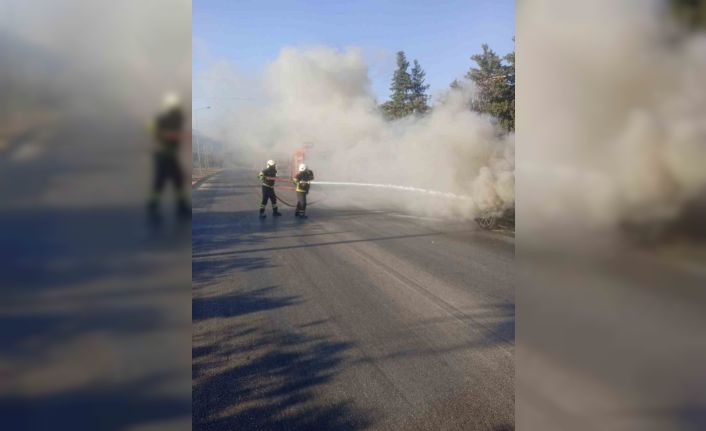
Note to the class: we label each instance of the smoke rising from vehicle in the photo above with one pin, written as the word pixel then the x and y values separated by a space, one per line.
pixel 611 118
pixel 321 98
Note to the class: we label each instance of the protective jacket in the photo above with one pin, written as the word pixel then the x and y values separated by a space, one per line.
pixel 302 180
pixel 167 127
pixel 269 172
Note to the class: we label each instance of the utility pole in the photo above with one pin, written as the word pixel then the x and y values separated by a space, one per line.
pixel 198 143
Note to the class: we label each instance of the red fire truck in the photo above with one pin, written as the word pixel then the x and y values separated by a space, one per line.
pixel 297 158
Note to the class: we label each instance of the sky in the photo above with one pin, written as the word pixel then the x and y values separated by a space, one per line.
pixel 442 35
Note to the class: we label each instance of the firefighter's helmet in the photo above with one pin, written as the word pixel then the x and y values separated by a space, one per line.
pixel 302 167
pixel 170 101
pixel 271 163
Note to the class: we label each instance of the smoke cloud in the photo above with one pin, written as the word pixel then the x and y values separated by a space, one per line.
pixel 610 118
pixel 621 109
pixel 78 54
pixel 322 98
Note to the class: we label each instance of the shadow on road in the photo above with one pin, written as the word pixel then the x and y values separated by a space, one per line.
pixel 206 272
pixel 238 304
pixel 248 378
pixel 216 230
pixel 83 288
pixel 46 248
pixel 245 377
pixel 113 408
pixel 33 333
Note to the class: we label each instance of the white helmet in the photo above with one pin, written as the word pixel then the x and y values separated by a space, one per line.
pixel 302 167
pixel 271 163
pixel 170 101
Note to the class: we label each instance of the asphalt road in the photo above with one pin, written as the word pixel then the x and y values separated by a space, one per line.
pixel 357 318
pixel 94 316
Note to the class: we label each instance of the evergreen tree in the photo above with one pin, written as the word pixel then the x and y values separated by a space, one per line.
pixel 509 93
pixel 398 106
pixel 691 14
pixel 418 96
pixel 496 86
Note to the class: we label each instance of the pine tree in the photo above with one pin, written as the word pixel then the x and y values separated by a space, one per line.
pixel 509 93
pixel 496 86
pixel 418 97
pixel 691 14
pixel 398 106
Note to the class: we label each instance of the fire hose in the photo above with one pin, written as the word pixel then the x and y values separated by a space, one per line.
pixel 287 188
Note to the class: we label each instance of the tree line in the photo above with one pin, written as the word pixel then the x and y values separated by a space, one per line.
pixel 494 77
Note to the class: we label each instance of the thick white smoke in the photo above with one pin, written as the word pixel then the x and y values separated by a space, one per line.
pixel 321 97
pixel 612 117
pixel 96 55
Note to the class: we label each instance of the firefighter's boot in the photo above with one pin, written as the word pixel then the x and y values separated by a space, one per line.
pixel 154 217
pixel 183 210
pixel 275 212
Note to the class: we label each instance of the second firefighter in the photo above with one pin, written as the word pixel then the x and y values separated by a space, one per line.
pixel 302 181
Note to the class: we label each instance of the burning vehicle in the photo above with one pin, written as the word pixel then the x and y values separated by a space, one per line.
pixel 497 219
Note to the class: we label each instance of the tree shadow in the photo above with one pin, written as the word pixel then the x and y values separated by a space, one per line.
pixel 212 230
pixel 30 334
pixel 250 378
pixel 208 271
pixel 74 278
pixel 48 248
pixel 115 408
pixel 238 303
pixel 270 383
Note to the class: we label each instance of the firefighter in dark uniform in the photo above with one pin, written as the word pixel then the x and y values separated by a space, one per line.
pixel 267 177
pixel 167 130
pixel 302 182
